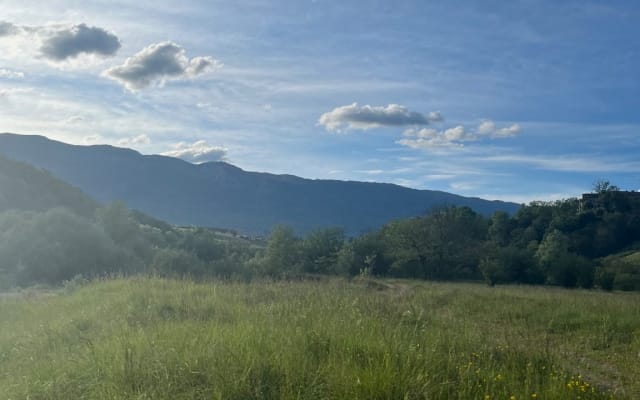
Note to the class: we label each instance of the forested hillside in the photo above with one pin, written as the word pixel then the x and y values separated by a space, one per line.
pixel 27 188
pixel 51 232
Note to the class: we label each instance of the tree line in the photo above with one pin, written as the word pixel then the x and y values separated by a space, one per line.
pixel 570 243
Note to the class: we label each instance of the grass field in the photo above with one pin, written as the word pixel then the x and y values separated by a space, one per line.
pixel 162 339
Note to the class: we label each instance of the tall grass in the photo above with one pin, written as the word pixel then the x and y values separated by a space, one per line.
pixel 163 339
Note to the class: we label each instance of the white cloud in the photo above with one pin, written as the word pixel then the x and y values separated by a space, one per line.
pixel 197 152
pixel 372 171
pixel 435 116
pixel 10 74
pixel 427 138
pixel 135 140
pixel 438 177
pixel 13 91
pixel 430 139
pixel 367 117
pixel 489 128
pixel 156 64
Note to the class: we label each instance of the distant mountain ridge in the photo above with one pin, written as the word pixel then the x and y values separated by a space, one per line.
pixel 217 194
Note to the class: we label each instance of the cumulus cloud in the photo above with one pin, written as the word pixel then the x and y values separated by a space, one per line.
pixel 489 128
pixel 197 152
pixel 367 117
pixel 57 43
pixel 429 139
pixel 135 140
pixel 70 42
pixel 158 63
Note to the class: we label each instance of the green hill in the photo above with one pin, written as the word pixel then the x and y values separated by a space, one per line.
pixel 24 187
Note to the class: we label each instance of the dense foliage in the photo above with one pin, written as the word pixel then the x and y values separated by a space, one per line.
pixel 58 245
pixel 572 243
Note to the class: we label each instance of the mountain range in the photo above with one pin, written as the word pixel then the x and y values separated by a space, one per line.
pixel 218 194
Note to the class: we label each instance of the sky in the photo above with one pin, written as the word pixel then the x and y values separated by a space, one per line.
pixel 516 100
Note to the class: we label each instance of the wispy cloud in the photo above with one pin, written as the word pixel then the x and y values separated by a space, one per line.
pixel 6 92
pixel 10 74
pixel 197 152
pixel 156 64
pixel 567 163
pixel 372 171
pixel 367 117
pixel 141 139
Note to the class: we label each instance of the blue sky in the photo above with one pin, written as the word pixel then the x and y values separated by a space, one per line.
pixel 520 100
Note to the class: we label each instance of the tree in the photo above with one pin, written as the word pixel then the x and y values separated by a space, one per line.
pixel 500 228
pixel 282 255
pixel 118 221
pixel 560 266
pixel 177 262
pixel 365 254
pixel 408 247
pixel 603 186
pixel 320 250
pixel 57 245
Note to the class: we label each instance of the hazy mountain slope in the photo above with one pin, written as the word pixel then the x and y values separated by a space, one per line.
pixel 221 195
pixel 25 187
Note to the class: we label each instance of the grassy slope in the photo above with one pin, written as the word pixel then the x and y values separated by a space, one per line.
pixel 159 339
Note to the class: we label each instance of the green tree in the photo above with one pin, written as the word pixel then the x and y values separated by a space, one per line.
pixel 118 221
pixel 57 245
pixel 500 228
pixel 320 250
pixel 366 254
pixel 283 253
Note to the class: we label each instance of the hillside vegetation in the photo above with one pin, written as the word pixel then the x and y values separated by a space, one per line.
pixel 24 187
pixel 164 339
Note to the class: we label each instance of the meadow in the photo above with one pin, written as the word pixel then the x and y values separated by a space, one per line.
pixel 150 338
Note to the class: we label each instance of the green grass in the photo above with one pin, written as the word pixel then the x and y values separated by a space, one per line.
pixel 163 339
pixel 633 258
